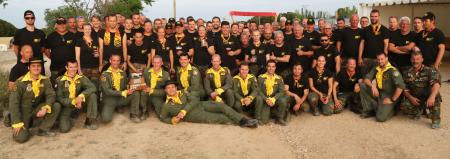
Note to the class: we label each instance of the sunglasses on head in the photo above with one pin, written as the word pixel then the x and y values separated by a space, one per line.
pixel 28 18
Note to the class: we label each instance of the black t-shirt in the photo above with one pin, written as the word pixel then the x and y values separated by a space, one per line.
pixel 280 52
pixel 297 86
pixel 245 50
pixel 191 35
pixel 35 39
pixel 288 37
pixel 428 44
pixel 330 54
pixel 320 81
pixel 96 34
pixel 313 37
pixel 258 54
pixel 134 30
pixel 18 70
pixel 398 39
pixel 180 45
pixel 109 49
pixel 350 39
pixel 138 54
pixel 222 46
pixel 201 55
pixel 150 40
pixel 213 35
pixel 87 51
pixel 374 43
pixel 62 49
pixel 163 50
pixel 347 83
pixel 302 44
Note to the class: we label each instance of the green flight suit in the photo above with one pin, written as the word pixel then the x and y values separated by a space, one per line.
pixel 252 92
pixel 157 96
pixel 225 90
pixel 391 80
pixel 83 87
pixel 194 80
pixel 113 97
pixel 24 105
pixel 279 110
pixel 199 111
pixel 419 85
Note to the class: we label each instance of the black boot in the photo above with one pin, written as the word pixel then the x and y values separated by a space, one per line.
pixel 251 123
pixel 90 124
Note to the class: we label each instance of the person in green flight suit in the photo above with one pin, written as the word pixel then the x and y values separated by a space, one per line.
pixel 218 82
pixel 246 92
pixel 189 78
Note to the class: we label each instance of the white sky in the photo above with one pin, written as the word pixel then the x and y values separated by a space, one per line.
pixel 206 9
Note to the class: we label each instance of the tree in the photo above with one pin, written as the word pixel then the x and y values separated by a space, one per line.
pixel 6 29
pixel 3 3
pixel 346 12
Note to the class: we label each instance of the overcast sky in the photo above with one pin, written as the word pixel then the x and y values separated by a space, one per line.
pixel 13 12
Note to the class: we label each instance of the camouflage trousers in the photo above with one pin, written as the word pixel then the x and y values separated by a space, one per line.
pixel 416 111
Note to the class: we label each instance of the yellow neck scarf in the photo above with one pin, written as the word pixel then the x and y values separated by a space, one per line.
pixel 154 76
pixel 244 83
pixel 117 38
pixel 176 99
pixel 35 84
pixel 72 84
pixel 380 72
pixel 216 74
pixel 270 82
pixel 116 77
pixel 184 75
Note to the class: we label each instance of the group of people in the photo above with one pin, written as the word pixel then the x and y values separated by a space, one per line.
pixel 216 72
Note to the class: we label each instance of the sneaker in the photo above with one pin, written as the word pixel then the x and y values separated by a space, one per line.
pixel 135 119
pixel 435 126
pixel 251 123
pixel 144 116
pixel 281 122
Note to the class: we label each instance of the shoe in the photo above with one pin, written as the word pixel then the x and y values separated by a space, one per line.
pixel 144 116
pixel 366 115
pixel 89 124
pixel 45 133
pixel 120 110
pixel 7 120
pixel 281 122
pixel 135 119
pixel 251 123
pixel 435 126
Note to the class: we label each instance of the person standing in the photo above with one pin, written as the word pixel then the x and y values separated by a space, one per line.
pixel 431 42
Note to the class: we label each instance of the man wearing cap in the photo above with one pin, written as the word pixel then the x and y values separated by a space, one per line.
pixel 113 84
pixel 218 82
pixel 381 90
pixel 33 99
pixel 29 35
pixel 74 91
pixel 311 34
pixel 154 94
pixel 169 30
pixel 181 42
pixel 227 47
pixel 374 39
pixel 60 47
pixel 431 41
pixel 182 106
pixel 288 32
pixel 189 78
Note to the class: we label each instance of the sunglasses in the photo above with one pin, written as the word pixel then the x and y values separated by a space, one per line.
pixel 28 18
pixel 323 40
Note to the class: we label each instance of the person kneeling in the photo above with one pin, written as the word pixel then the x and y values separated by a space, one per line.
pixel 246 92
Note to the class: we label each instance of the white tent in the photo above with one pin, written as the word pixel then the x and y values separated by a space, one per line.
pixel 411 8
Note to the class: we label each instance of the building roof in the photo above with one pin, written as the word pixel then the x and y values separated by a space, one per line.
pixel 402 2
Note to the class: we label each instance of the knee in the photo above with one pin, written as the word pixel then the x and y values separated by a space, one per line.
pixel 313 99
pixel 22 137
pixel 106 119
pixel 381 118
pixel 92 97
pixel 56 108
pixel 64 129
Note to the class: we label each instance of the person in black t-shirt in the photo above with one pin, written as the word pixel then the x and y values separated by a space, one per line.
pixel 374 39
pixel 311 34
pixel 181 43
pixel 301 49
pixel 296 86
pixel 191 32
pixel 332 36
pixel 330 53
pixel 267 37
pixel 149 35
pixel 138 54
pixel 203 50
pixel 111 41
pixel 288 32
pixel 128 25
pixel 60 47
pixel 29 35
pixel 280 52
pixel 259 54
pixel 227 47
pixel 349 40
pixel 393 25
pixel 96 24
pixel 346 87
pixel 320 82
pixel 86 54
pixel 245 48
pixel 401 45
pixel 163 47
pixel 215 24
pixel 431 42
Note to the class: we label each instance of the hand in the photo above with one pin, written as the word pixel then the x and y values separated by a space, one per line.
pixel 180 115
pixel 124 66
pixel 79 71
pixel 272 57
pixel 338 103
pixel 356 89
pixel 297 98
pixel 247 101
pixel 387 101
pixel 430 102
pixel 41 113
pixel 175 120
pixel 79 102
pixel 213 95
pixel 130 91
pixel 324 99
pixel 414 101
pixel 269 102
pixel 129 42
pixel 296 107
pixel 360 62
pixel 253 59
pixel 300 53
pixel 375 91
pixel 11 86
pixel 172 70
pixel 179 52
pixel 230 53
pixel 436 66
pixel 16 131
pixel 100 68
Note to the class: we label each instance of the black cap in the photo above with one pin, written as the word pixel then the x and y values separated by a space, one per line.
pixel 288 22
pixel 311 21
pixel 28 12
pixel 60 20
pixel 169 26
pixel 178 24
pixel 428 15
pixel 169 82
pixel 35 60
pixel 171 20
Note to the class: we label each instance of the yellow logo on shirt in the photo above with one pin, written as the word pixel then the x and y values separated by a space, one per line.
pixel 357 37
pixel 143 51
pixel 37 40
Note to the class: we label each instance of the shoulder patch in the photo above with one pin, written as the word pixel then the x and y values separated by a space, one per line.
pixel 396 73
pixel 103 78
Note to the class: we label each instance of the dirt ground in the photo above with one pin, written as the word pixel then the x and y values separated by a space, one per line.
pixel 339 136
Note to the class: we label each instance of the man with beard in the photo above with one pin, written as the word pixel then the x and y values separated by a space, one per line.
pixel 227 47
pixel 215 30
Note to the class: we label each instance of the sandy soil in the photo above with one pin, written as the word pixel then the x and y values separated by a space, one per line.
pixel 340 136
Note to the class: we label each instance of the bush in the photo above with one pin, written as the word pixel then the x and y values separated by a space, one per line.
pixel 6 29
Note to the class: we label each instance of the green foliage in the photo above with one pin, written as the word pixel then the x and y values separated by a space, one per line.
pixel 297 14
pixel 62 11
pixel 4 3
pixel 346 12
pixel 6 29
pixel 124 7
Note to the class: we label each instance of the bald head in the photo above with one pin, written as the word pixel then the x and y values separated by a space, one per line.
pixel 26 52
